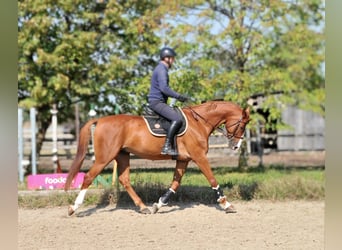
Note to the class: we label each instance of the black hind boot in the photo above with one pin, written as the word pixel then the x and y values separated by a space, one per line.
pixel 168 148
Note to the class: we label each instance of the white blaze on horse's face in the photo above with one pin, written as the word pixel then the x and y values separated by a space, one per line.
pixel 237 146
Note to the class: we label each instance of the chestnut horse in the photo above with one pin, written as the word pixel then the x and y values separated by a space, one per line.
pixel 117 136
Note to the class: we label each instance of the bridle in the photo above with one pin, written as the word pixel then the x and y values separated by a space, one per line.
pixel 221 130
pixel 231 135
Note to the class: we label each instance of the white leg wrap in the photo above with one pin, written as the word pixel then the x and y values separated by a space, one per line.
pixel 166 196
pixel 80 198
pixel 222 197
pixel 160 203
pixel 226 205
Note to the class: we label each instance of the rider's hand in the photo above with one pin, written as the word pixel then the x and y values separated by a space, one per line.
pixel 183 98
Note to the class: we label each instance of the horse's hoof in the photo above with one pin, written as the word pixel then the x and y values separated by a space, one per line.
pixel 145 211
pixel 155 208
pixel 231 209
pixel 71 211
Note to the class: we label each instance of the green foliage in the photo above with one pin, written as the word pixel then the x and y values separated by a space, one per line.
pixel 103 53
pixel 247 191
pixel 294 187
pixel 86 51
pixel 242 48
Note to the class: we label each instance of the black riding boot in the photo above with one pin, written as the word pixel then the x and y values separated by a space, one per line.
pixel 168 148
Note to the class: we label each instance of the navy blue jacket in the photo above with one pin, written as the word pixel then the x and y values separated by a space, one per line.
pixel 160 89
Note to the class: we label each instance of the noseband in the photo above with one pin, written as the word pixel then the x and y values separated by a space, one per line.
pixel 231 135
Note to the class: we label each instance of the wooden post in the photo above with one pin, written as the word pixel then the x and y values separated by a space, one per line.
pixel 54 112
pixel 20 145
pixel 115 169
pixel 33 141
pixel 92 114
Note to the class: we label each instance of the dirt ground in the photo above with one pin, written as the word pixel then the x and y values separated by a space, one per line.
pixel 256 225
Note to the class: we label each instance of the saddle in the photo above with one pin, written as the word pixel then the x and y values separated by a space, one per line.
pixel 158 125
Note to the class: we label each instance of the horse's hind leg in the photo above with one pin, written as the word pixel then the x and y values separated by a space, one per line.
pixel 177 177
pixel 88 179
pixel 124 170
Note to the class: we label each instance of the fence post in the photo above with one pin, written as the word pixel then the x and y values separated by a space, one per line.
pixel 20 145
pixel 33 141
pixel 54 112
pixel 248 140
pixel 259 143
pixel 92 114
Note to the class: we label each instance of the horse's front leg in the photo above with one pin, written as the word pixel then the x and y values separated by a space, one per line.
pixel 204 166
pixel 177 178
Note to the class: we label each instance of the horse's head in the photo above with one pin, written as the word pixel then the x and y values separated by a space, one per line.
pixel 236 129
pixel 217 113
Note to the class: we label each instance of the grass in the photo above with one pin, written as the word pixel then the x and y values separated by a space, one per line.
pixel 272 183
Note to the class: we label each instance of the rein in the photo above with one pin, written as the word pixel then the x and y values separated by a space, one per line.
pixel 224 132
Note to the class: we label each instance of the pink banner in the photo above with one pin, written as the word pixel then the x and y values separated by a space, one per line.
pixel 52 181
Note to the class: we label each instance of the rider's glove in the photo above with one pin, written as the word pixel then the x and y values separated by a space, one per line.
pixel 183 98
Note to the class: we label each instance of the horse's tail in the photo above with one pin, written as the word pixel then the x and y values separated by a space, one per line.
pixel 82 148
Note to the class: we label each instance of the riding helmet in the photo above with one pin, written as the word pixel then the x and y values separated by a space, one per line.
pixel 167 52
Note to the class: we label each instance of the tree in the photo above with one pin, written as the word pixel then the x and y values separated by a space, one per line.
pixel 242 48
pixel 81 51
pixel 236 49
pixel 101 52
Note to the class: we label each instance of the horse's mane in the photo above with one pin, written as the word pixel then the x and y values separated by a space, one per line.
pixel 212 105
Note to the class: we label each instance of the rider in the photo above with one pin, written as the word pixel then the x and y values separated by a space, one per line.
pixel 158 96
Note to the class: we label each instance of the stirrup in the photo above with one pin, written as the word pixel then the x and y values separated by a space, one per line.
pixel 171 152
pixel 168 150
pixel 165 150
